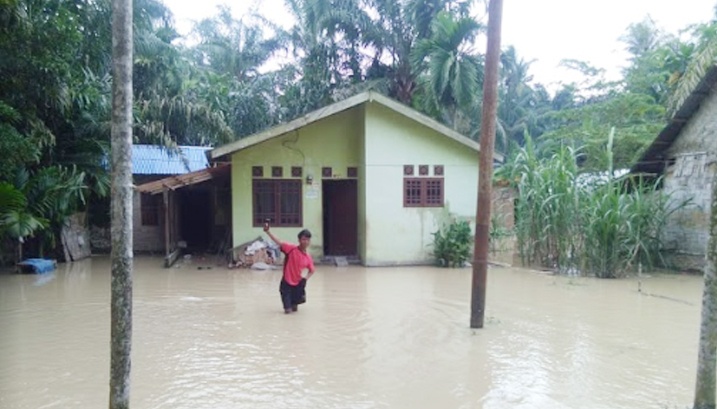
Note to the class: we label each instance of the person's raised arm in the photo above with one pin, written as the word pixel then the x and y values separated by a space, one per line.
pixel 267 230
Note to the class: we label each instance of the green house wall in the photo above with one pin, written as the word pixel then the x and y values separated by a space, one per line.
pixel 379 142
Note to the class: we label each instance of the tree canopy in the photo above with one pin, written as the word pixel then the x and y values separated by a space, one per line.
pixel 236 76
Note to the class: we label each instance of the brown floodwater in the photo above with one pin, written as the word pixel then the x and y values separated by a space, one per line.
pixel 367 338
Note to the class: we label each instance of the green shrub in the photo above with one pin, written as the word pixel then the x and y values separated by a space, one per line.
pixel 452 244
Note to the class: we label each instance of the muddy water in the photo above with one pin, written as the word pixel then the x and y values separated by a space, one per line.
pixel 367 338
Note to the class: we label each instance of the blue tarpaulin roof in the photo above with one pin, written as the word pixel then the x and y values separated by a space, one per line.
pixel 155 160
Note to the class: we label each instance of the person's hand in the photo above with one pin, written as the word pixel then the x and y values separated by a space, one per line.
pixel 266 227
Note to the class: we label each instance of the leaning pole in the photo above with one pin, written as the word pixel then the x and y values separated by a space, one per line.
pixel 485 164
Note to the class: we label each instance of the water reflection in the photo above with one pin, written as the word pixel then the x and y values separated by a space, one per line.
pixel 367 338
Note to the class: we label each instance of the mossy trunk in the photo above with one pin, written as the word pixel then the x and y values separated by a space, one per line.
pixel 121 287
pixel 707 358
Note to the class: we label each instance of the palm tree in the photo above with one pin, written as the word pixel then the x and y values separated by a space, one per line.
pixel 309 41
pixel 655 60
pixel 703 59
pixel 452 79
pixel 233 47
pixel 39 202
pixel 641 38
pixel 690 60
pixel 518 108
pixel 53 194
pixel 390 30
pixel 229 56
pixel 169 111
pixel 15 221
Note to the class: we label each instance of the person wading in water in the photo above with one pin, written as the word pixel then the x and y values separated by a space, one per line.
pixel 293 285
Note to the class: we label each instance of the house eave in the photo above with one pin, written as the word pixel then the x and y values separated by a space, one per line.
pixel 287 127
pixel 180 181
pixel 653 160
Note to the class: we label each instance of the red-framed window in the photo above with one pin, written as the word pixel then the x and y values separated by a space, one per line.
pixel 278 200
pixel 423 192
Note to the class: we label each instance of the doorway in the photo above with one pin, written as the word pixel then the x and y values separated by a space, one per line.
pixel 196 218
pixel 340 209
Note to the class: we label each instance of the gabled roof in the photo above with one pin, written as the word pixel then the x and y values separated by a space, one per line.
pixel 653 160
pixel 356 100
pixel 157 160
pixel 187 179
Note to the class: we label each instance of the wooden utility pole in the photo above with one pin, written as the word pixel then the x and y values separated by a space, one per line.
pixel 485 165
pixel 122 259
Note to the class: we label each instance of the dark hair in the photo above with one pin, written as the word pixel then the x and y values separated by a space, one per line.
pixel 304 233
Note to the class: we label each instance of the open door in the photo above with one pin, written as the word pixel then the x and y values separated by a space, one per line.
pixel 196 218
pixel 340 206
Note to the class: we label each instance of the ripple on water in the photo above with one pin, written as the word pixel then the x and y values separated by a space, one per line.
pixel 367 338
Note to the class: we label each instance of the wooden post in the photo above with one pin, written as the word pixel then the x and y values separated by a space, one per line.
pixel 19 253
pixel 173 220
pixel 485 166
pixel 165 199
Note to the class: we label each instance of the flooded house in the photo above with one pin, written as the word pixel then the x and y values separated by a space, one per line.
pixel 684 154
pixel 370 177
pixel 180 200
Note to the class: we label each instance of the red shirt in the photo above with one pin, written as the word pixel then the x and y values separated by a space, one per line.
pixel 296 261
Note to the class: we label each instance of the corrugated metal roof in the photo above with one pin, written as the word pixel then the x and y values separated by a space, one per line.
pixel 155 160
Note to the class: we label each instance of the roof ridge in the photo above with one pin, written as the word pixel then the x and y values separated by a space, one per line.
pixel 370 96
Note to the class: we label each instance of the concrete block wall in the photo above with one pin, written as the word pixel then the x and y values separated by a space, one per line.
pixel 503 206
pixel 687 230
pixel 693 158
pixel 147 239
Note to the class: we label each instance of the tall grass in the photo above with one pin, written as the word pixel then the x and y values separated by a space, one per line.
pixel 600 226
pixel 547 210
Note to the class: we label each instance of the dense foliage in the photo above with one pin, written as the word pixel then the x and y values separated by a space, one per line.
pixel 233 77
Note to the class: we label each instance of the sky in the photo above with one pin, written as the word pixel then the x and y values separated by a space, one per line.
pixel 544 32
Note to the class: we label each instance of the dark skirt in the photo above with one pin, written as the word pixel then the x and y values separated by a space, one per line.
pixel 292 295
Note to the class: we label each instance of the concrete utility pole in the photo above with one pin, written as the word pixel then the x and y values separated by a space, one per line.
pixel 122 262
pixel 485 169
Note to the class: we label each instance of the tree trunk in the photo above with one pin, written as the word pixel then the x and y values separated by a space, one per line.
pixel 707 358
pixel 121 333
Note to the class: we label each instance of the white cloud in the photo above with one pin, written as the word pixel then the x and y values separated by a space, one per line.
pixel 551 30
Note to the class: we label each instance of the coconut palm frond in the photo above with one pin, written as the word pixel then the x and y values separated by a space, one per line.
pixel 10 197
pixel 704 60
